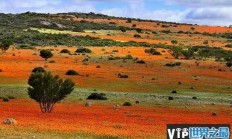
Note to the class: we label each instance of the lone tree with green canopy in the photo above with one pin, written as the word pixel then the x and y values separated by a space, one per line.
pixel 46 54
pixel 47 89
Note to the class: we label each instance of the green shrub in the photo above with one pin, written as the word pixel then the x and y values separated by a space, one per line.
pixel 137 36
pixel 166 31
pixel 97 96
pixel 128 20
pixel 5 99
pixel 134 25
pixel 170 98
pixel 122 28
pixel 46 54
pixel 127 104
pixel 139 30
pixel 122 75
pixel 229 64
pixel 72 72
pixel 141 61
pixel 83 50
pixel 174 92
pixel 152 51
pixel 65 51
pixel 174 41
pixel 228 45
pixel 78 29
pixel 173 64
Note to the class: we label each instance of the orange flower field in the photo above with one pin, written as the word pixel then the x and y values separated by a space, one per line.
pixel 105 120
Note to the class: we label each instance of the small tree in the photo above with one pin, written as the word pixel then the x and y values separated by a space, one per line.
pixel 176 52
pixel 5 44
pixel 46 54
pixel 122 28
pixel 47 89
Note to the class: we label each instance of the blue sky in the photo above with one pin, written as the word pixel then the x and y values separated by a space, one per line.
pixel 204 12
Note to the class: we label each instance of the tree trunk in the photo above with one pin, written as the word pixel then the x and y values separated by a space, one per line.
pixel 46 107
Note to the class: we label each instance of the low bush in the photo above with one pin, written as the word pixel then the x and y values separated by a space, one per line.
pixel 166 31
pixel 170 98
pixel 228 45
pixel 137 36
pixel 141 61
pixel 5 99
pixel 173 64
pixel 174 92
pixel 72 72
pixel 174 41
pixel 127 104
pixel 152 51
pixel 83 50
pixel 122 75
pixel 194 97
pixel 229 64
pixel 97 96
pixel 66 51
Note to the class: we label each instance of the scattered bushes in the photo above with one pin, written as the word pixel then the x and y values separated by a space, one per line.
pixel 97 96
pixel 38 69
pixel 83 50
pixel 127 104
